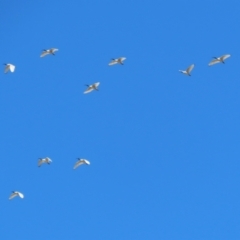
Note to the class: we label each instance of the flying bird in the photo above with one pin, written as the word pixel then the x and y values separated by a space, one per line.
pixel 81 162
pixel 16 194
pixel 92 87
pixel 188 70
pixel 219 59
pixel 9 67
pixel 117 61
pixel 48 51
pixel 44 160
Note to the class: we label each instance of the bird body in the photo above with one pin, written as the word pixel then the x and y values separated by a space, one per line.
pixel 117 61
pixel 48 51
pixel 188 70
pixel 219 59
pixel 80 162
pixel 92 87
pixel 44 160
pixel 9 67
pixel 16 194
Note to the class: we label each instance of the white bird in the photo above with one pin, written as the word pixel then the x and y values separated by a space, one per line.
pixel 219 59
pixel 44 160
pixel 9 67
pixel 48 51
pixel 188 70
pixel 117 61
pixel 92 87
pixel 81 162
pixel 15 194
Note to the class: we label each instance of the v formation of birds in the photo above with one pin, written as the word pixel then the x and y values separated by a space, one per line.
pixel 80 161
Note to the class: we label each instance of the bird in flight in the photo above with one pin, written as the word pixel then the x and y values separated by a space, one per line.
pixel 16 194
pixel 117 61
pixel 188 70
pixel 219 59
pixel 44 160
pixel 92 87
pixel 80 162
pixel 48 51
pixel 9 67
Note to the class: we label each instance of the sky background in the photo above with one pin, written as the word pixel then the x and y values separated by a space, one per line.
pixel 163 147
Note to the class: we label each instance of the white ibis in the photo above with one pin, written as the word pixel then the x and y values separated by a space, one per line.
pixel 9 67
pixel 48 51
pixel 92 87
pixel 188 70
pixel 117 61
pixel 16 194
pixel 44 160
pixel 80 162
pixel 219 59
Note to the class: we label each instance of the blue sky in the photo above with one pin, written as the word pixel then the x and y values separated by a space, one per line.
pixel 163 147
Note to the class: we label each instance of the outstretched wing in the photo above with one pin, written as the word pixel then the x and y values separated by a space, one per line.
pixel 96 84
pixel 6 69
pixel 190 68
pixel 40 162
pixel 224 57
pixel 11 67
pixel 123 59
pixel 20 195
pixel 13 195
pixel 86 162
pixel 214 61
pixel 54 50
pixel 113 62
pixel 44 53
pixel 77 164
pixel 89 89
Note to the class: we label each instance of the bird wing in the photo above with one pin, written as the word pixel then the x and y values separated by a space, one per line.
pixel 89 89
pixel 7 68
pixel 190 68
pixel 44 53
pixel 40 162
pixel 20 195
pixel 123 59
pixel 13 195
pixel 54 49
pixel 225 56
pixel 77 164
pixel 48 159
pixel 96 84
pixel 86 162
pixel 214 61
pixel 11 67
pixel 113 62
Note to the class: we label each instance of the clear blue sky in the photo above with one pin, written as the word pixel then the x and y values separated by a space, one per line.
pixel 163 147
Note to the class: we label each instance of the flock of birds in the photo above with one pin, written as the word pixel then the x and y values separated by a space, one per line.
pixel 80 161
pixel 214 61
